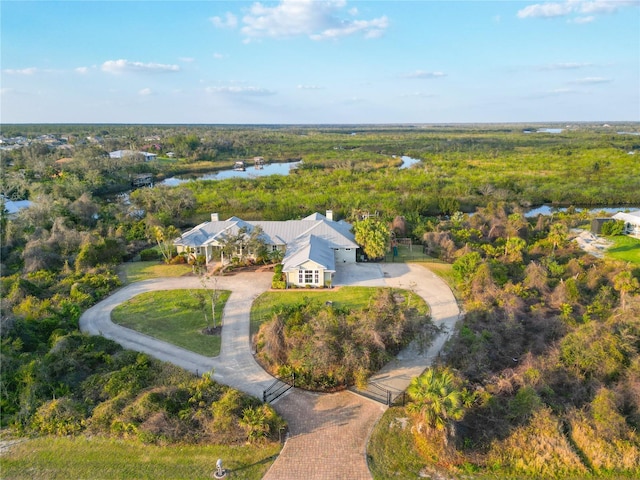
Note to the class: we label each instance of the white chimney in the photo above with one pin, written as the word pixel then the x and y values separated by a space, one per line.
pixel 215 217
pixel 329 215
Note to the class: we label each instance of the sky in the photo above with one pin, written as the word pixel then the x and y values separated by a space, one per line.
pixel 319 62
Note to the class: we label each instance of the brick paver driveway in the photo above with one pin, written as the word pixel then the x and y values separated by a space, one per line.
pixel 327 432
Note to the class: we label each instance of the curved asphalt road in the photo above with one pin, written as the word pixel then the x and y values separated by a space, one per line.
pixel 327 433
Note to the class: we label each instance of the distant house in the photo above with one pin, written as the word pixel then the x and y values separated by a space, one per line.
pixel 131 153
pixel 631 222
pixel 311 247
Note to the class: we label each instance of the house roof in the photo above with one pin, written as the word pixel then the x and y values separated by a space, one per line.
pixel 309 248
pixel 630 217
pixel 336 234
pixel 312 238
pixel 128 153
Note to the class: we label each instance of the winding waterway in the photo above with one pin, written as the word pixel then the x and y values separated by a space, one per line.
pixel 250 172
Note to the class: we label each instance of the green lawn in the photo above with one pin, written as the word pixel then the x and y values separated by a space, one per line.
pixel 624 248
pixel 101 458
pixel 354 298
pixel 175 316
pixel 391 452
pixel 130 272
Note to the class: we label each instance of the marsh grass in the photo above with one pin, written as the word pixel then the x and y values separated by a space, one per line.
pixel 101 458
pixel 173 316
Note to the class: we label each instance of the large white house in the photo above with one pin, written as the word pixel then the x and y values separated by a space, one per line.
pixel 631 221
pixel 311 247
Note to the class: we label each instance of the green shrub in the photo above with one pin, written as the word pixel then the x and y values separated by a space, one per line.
pixel 60 416
pixel 538 449
pixel 150 254
pixel 615 227
pixel 603 436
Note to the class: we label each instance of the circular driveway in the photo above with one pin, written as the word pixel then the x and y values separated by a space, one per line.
pixel 327 432
pixel 235 366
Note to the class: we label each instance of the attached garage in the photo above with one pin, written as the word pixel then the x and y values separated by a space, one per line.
pixel 345 255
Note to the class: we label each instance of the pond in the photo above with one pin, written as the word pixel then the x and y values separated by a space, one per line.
pixel 408 162
pixel 250 171
pixel 14 206
pixel 550 210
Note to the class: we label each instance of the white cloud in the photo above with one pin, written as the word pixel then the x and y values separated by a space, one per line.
pixel 218 56
pixel 309 87
pixel 145 92
pixel 22 71
pixel 575 7
pixel 591 80
pixel 566 66
pixel 233 90
pixel 546 10
pixel 125 66
pixel 187 59
pixel 423 74
pixel 229 21
pixel 605 6
pixel 313 19
pixel 82 70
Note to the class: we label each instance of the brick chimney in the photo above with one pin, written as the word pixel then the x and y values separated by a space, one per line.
pixel 329 215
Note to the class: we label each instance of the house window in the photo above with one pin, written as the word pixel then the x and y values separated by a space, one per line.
pixel 308 277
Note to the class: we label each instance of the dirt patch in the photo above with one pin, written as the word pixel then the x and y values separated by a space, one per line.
pixel 212 330
pixel 591 243
pixel 6 445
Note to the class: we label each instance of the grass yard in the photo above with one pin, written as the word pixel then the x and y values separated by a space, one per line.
pixel 415 255
pixel 391 452
pixel 130 272
pixel 354 298
pixel 174 316
pixel 101 458
pixel 624 248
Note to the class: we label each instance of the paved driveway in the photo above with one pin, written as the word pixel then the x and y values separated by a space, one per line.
pixel 235 366
pixel 327 433
pixel 358 274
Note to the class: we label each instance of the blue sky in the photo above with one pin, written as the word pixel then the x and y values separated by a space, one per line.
pixel 311 61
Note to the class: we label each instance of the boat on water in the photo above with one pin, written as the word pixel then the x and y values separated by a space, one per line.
pixel 239 166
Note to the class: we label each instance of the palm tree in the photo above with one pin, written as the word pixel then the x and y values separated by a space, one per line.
pixel 437 400
pixel 625 283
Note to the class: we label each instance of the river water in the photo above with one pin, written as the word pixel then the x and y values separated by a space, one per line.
pixel 250 172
